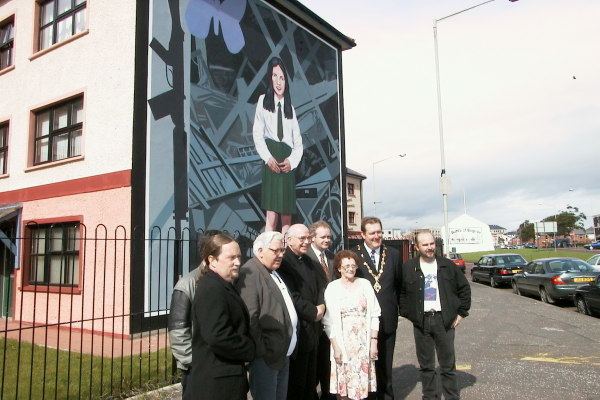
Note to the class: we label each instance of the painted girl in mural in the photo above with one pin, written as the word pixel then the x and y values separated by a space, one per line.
pixel 278 142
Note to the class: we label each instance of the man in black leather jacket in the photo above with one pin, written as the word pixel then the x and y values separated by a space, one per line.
pixel 435 296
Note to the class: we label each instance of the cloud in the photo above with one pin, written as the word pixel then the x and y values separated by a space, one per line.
pixel 519 131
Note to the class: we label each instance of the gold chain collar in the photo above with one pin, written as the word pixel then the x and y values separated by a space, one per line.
pixel 377 285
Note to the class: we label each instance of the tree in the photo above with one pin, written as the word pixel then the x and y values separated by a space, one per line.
pixel 567 220
pixel 526 231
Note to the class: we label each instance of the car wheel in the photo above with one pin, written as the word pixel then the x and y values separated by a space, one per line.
pixel 515 288
pixel 582 306
pixel 473 279
pixel 546 298
pixel 493 282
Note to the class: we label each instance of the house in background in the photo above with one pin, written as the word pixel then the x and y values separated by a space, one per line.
pixel 354 203
pixel 499 235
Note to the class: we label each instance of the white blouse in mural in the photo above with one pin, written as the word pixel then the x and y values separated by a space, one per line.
pixel 265 127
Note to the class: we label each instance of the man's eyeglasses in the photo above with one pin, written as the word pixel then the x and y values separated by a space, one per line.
pixel 277 251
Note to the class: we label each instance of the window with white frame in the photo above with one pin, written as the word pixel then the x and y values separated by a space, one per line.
pixel 58 131
pixel 54 254
pixel 59 20
pixel 7 36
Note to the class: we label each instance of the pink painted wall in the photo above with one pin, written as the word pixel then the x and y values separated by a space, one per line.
pixel 104 261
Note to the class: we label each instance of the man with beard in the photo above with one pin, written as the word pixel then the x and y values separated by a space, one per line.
pixel 302 278
pixel 435 296
pixel 273 319
pixel 381 266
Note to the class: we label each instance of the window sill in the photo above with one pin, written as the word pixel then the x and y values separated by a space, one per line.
pixel 7 69
pixel 51 289
pixel 2 176
pixel 54 163
pixel 57 45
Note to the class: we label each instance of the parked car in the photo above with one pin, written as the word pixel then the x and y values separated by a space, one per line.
pixel 458 261
pixel 553 279
pixel 593 246
pixel 529 246
pixel 594 261
pixel 587 298
pixel 497 269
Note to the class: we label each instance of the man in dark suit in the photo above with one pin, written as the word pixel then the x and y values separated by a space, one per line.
pixel 221 342
pixel 273 318
pixel 435 297
pixel 381 266
pixel 322 258
pixel 302 278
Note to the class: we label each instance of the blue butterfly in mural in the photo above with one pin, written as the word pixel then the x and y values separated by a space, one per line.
pixel 227 14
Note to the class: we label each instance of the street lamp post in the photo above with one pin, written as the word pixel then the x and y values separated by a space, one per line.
pixel 444 181
pixel 374 193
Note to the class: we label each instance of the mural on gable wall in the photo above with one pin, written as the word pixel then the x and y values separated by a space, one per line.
pixel 220 153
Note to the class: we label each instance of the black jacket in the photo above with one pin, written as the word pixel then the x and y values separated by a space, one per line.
pixel 221 343
pixel 455 293
pixel 390 283
pixel 307 290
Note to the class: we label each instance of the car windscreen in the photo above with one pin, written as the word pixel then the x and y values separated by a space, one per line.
pixel 510 260
pixel 558 266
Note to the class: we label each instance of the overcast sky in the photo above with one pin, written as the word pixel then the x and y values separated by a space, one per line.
pixel 521 105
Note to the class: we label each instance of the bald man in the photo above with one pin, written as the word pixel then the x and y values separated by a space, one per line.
pixel 303 280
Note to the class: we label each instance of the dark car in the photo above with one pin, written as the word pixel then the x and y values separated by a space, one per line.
pixel 553 278
pixel 593 246
pixel 529 246
pixel 497 269
pixel 458 261
pixel 587 298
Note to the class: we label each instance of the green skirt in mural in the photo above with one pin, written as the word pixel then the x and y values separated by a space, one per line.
pixel 278 192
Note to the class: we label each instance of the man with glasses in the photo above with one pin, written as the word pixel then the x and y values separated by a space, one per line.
pixel 302 278
pixel 273 318
pixel 322 258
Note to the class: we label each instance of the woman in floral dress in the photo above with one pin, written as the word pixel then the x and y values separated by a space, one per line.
pixel 352 324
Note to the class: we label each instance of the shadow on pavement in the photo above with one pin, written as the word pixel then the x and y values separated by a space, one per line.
pixel 407 376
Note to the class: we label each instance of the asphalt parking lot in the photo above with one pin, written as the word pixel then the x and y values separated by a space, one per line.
pixel 513 347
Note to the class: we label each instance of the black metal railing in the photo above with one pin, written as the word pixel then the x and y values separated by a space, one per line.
pixel 68 332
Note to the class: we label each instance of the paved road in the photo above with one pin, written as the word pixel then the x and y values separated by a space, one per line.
pixel 513 347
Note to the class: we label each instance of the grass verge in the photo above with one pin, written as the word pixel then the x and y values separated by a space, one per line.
pixel 38 372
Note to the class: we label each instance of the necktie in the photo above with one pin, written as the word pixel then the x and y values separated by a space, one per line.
pixel 279 123
pixel 373 259
pixel 324 265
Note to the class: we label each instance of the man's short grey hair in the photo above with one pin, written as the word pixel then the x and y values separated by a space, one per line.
pixel 263 240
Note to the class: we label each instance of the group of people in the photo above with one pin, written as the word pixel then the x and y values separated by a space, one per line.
pixel 296 317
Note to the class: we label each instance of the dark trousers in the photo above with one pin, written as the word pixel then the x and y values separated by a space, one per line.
pixel 383 365
pixel 185 373
pixel 303 376
pixel 431 340
pixel 324 367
